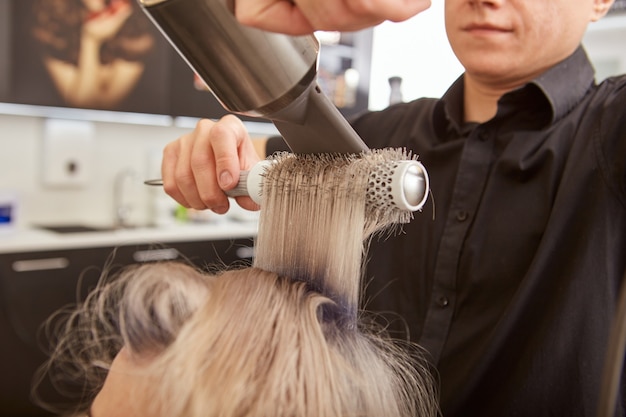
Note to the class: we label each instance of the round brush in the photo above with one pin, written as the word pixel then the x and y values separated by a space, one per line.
pixel 402 184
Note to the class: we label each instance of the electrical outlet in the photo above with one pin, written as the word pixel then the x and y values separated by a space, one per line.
pixel 68 149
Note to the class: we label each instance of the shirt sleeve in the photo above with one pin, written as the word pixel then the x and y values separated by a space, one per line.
pixel 612 136
pixel 396 125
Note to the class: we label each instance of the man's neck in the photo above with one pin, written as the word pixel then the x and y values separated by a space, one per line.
pixel 481 99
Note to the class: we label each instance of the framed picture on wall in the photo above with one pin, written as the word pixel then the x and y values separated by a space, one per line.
pixel 101 55
pixel 107 55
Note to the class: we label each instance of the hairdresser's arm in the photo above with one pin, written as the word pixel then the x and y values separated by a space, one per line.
pixel 199 166
pixel 298 17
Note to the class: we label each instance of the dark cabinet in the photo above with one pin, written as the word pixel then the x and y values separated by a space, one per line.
pixel 34 285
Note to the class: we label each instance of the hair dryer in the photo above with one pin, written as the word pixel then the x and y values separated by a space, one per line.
pixel 256 73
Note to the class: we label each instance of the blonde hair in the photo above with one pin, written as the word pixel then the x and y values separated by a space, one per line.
pixel 284 338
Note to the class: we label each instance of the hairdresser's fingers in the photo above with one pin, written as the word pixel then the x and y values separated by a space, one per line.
pixel 204 167
pixel 232 151
pixel 304 16
pixel 178 178
pixel 198 167
pixel 393 10
pixel 273 15
pixel 168 168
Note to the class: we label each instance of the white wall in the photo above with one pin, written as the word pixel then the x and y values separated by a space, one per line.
pixel 416 50
pixel 605 45
pixel 116 147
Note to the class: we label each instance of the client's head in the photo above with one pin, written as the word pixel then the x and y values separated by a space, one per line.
pixel 241 343
pixel 281 339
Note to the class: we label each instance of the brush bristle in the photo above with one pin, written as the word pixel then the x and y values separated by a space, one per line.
pixel 343 173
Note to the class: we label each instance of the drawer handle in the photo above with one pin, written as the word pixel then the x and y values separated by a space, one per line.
pixel 40 264
pixel 152 255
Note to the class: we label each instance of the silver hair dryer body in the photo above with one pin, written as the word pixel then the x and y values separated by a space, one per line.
pixel 256 73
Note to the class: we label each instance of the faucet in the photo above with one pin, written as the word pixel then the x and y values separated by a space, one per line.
pixel 122 188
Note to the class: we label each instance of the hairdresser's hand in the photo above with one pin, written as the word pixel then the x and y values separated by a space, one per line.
pixel 298 17
pixel 199 166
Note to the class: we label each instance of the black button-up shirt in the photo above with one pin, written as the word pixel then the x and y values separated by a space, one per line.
pixel 509 277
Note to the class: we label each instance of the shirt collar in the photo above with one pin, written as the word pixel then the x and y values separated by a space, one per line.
pixel 448 113
pixel 561 86
pixel 565 84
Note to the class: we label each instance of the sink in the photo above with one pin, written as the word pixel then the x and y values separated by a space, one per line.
pixel 75 228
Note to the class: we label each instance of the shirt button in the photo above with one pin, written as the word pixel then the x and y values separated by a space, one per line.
pixel 443 301
pixel 461 215
pixel 483 135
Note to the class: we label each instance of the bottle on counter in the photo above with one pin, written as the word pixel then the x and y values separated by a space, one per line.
pixel 395 93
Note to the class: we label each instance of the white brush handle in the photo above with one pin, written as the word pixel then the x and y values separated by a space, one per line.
pixel 250 182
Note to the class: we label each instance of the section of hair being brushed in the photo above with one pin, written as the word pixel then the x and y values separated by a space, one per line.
pixel 316 219
pixel 282 339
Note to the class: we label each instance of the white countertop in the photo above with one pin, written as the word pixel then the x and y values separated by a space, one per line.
pixel 29 240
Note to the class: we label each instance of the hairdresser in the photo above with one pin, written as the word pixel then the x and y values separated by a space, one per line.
pixel 510 277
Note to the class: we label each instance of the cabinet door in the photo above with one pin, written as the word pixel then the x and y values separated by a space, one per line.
pixel 35 285
pixel 32 287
